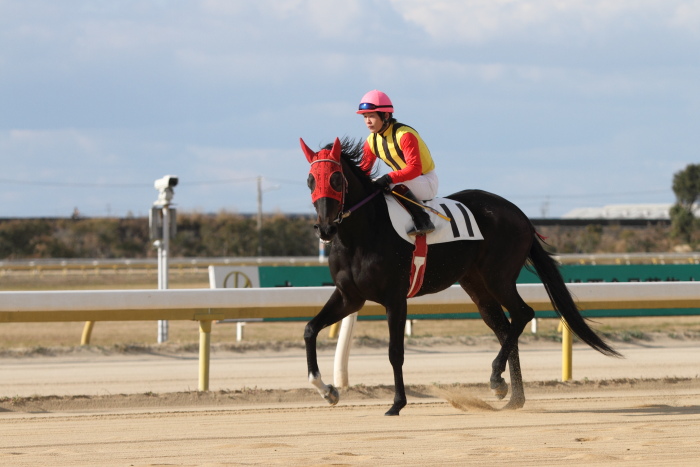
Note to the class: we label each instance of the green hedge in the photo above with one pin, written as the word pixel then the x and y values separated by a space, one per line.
pixel 198 235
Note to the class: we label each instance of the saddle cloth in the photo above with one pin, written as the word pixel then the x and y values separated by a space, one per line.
pixel 462 225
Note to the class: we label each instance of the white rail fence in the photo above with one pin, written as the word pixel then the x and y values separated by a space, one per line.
pixel 207 305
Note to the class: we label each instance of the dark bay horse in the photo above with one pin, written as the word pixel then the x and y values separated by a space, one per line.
pixel 369 261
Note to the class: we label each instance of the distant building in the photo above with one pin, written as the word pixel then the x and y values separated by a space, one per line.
pixel 625 211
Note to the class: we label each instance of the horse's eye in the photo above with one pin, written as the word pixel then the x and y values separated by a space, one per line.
pixel 337 181
pixel 311 182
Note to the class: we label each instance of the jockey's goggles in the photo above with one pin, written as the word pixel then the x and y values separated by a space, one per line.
pixel 370 106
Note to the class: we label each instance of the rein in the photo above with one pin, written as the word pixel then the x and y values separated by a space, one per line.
pixel 343 214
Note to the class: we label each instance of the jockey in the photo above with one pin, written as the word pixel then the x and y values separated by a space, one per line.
pixel 401 147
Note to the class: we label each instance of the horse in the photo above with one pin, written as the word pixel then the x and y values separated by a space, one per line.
pixel 368 260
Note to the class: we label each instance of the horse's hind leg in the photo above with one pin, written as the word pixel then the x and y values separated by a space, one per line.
pixel 396 318
pixel 520 314
pixel 335 309
pixel 507 333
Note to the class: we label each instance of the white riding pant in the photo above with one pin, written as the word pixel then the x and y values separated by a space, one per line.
pixel 424 187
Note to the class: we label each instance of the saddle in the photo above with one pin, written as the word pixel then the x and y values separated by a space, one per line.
pixel 460 226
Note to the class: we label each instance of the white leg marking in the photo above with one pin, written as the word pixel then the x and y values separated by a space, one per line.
pixel 327 391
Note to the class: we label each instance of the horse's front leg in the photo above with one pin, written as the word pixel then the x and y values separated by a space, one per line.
pixel 335 309
pixel 396 316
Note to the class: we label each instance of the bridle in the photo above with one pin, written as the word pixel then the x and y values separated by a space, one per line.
pixel 342 214
pixel 327 188
pixel 343 188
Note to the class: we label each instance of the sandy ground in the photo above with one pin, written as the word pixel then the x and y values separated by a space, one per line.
pixel 142 409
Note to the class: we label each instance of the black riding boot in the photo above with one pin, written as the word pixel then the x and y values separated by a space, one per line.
pixel 421 219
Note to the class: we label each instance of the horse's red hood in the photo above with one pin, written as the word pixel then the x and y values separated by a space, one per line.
pixel 324 165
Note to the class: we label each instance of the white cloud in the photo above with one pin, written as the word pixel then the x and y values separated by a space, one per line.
pixel 214 158
pixel 216 89
pixel 686 17
pixel 479 21
pixel 312 18
pixel 77 144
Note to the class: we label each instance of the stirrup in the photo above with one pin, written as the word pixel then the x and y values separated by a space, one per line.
pixel 426 229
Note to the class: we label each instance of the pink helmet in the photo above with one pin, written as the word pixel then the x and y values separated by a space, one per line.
pixel 375 101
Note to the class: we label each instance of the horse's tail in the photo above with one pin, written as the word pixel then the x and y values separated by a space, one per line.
pixel 548 271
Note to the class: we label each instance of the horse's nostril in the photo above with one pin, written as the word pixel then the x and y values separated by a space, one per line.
pixel 325 232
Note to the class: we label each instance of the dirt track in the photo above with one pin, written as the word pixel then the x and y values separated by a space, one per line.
pixel 139 410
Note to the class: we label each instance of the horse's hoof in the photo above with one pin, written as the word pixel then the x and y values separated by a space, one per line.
pixel 332 396
pixel 514 404
pixel 395 409
pixel 500 389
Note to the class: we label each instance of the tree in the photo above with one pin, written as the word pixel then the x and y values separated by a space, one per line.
pixel 686 186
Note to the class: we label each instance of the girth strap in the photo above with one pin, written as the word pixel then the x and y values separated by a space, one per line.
pixel 420 254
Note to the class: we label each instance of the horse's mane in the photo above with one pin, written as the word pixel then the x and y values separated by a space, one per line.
pixel 352 153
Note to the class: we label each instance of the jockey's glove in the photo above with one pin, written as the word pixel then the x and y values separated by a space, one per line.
pixel 382 182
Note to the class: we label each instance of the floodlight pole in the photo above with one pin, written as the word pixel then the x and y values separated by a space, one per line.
pixel 162 225
pixel 164 251
pixel 322 256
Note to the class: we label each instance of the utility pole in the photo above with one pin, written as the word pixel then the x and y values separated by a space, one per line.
pixel 260 238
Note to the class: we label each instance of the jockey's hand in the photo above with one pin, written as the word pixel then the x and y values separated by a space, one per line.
pixel 382 182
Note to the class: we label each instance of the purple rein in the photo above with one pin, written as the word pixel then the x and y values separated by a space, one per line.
pixel 347 213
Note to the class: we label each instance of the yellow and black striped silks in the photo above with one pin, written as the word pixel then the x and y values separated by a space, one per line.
pixel 386 147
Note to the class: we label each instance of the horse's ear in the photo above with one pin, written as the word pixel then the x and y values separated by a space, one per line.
pixel 335 150
pixel 310 154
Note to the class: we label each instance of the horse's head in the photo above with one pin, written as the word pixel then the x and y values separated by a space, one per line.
pixel 327 185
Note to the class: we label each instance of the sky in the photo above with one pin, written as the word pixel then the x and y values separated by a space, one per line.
pixel 553 104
